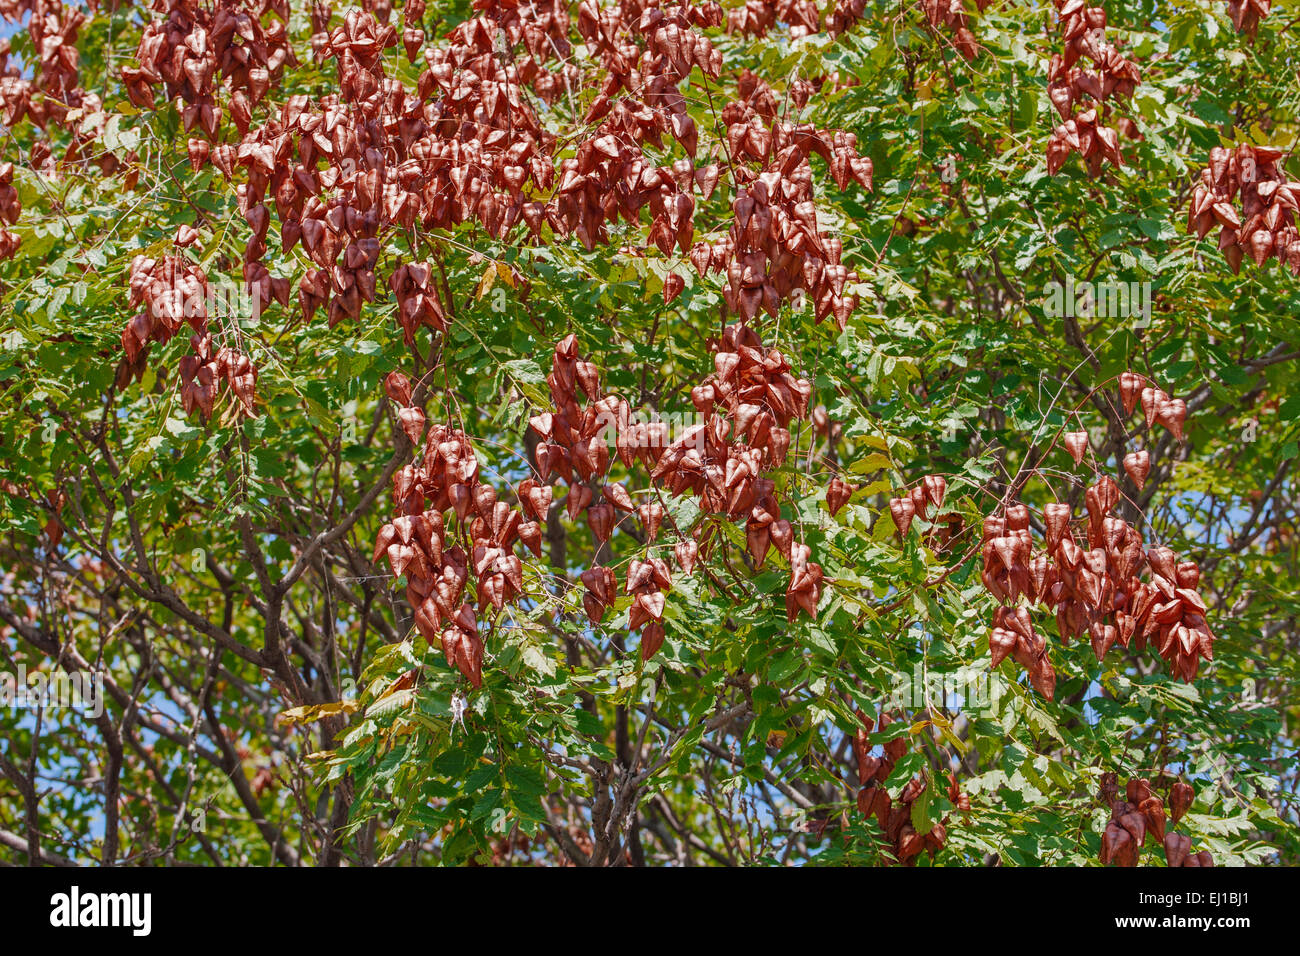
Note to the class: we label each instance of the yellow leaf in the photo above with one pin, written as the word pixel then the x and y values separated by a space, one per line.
pixel 310 713
pixel 488 280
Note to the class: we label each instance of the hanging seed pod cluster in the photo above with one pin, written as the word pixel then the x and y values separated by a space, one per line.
pixel 198 48
pixel 462 147
pixel 46 91
pixel 757 18
pixel 745 409
pixel 775 247
pixel 1265 227
pixel 573 445
pixel 174 292
pixel 951 14
pixel 1142 818
pixel 441 557
pixel 1071 87
pixel 344 173
pixel 926 495
pixel 1089 570
pixel 894 816
pixel 53 28
pixel 646 54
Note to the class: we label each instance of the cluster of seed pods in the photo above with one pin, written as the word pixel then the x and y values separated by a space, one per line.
pixel 646 52
pixel 463 149
pixel 15 88
pixel 775 250
pixel 468 146
pixel 202 373
pixel 928 493
pixel 541 28
pixel 174 292
pixel 1084 30
pixel 894 816
pixel 199 48
pixel 53 28
pixel 952 15
pixel 440 556
pixel 748 404
pixel 1098 590
pixel 45 91
pixel 745 408
pixel 757 18
pixel 1141 818
pixel 1265 228
pixel 574 444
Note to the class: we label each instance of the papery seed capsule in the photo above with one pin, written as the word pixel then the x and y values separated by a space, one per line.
pixel 1152 399
pixel 1177 847
pixel 902 511
pixel 1076 443
pixel 1130 389
pixel 935 488
pixel 1138 465
pixel 838 493
pixel 1181 796
pixel 1172 414
pixel 1187 574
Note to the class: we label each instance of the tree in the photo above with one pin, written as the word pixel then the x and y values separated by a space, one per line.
pixel 626 433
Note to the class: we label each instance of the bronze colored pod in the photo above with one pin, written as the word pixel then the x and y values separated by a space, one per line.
pixel 902 510
pixel 1076 443
pixel 1181 796
pixel 838 493
pixel 1138 465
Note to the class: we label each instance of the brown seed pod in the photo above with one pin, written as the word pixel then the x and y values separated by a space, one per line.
pixel 1161 560
pixel 652 638
pixel 673 286
pixel 1181 796
pixel 1177 847
pixel 1172 414
pixel 1152 400
pixel 1187 575
pixel 1002 642
pixel 935 488
pixel 1137 789
pixel 838 493
pixel 1056 519
pixel 618 495
pixel 1130 389
pixel 652 516
pixel 1076 443
pixel 1138 465
pixel 1153 811
pixel 902 511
